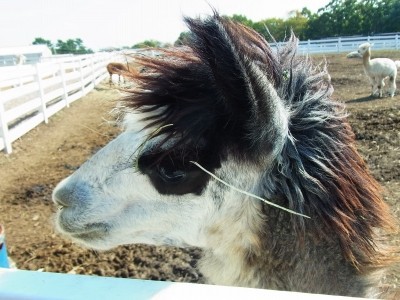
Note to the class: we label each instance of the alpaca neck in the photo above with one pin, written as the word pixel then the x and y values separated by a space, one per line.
pixel 251 251
pixel 233 235
pixel 249 244
pixel 232 248
pixel 367 59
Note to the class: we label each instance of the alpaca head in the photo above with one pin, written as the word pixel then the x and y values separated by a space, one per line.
pixel 364 48
pixel 215 103
pixel 20 59
pixel 260 120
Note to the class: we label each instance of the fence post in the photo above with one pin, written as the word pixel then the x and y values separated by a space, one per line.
pixel 397 42
pixel 339 44
pixel 41 94
pixel 92 67
pixel 308 46
pixel 81 72
pixel 4 129
pixel 64 83
pixel 20 78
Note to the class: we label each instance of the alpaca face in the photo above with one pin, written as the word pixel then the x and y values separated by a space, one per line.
pixel 364 48
pixel 109 202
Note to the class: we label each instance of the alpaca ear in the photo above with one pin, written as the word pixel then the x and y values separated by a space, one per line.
pixel 244 73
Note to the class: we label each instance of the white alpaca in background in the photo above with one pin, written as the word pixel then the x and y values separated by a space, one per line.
pixel 377 70
pixel 397 62
pixel 354 54
pixel 21 59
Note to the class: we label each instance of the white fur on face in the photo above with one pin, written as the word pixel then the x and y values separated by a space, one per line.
pixel 108 203
pixel 364 48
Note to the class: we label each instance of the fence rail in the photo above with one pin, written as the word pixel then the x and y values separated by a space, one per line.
pixel 30 94
pixel 346 44
pixel 31 285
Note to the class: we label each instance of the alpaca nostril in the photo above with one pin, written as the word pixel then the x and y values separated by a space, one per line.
pixel 61 197
pixel 69 193
pixel 59 200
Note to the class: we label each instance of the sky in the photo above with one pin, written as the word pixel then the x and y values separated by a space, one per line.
pixel 117 23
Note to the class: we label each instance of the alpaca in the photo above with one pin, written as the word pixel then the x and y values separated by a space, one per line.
pixel 117 68
pixel 354 54
pixel 397 63
pixel 377 70
pixel 239 150
pixel 20 59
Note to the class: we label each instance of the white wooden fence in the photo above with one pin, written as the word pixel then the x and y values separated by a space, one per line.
pixel 347 44
pixel 30 94
pixel 32 285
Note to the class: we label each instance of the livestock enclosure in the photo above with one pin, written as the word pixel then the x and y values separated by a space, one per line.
pixel 48 153
pixel 347 44
pixel 30 94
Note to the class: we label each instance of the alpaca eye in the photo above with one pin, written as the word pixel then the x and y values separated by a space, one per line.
pixel 171 176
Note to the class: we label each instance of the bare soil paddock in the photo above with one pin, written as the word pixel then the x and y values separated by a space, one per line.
pixel 51 152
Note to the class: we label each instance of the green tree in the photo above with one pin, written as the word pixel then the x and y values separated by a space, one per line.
pixel 42 41
pixel 305 12
pixel 147 44
pixel 275 26
pixel 337 18
pixel 182 39
pixel 71 47
pixel 393 18
pixel 242 19
pixel 351 17
pixel 298 24
pixel 385 15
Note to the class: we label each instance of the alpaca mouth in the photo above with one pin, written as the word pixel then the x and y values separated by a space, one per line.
pixel 90 235
pixel 68 225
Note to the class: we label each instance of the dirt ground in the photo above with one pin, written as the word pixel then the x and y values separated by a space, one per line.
pixel 50 152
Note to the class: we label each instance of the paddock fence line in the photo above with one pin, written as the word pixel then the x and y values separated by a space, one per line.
pixel 32 285
pixel 31 94
pixel 346 44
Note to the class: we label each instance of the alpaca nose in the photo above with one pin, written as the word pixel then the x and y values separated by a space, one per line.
pixel 71 193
